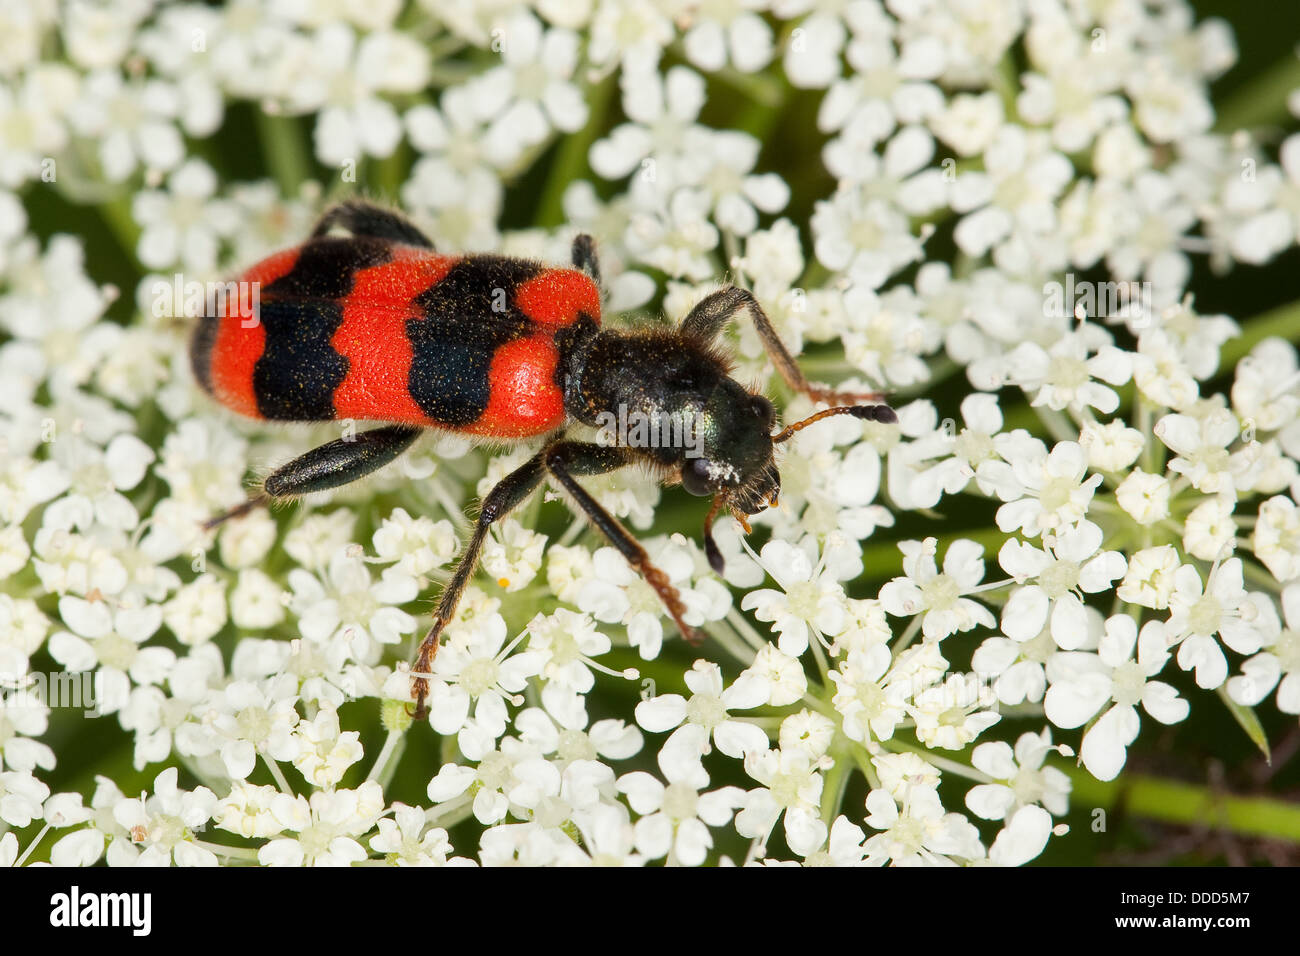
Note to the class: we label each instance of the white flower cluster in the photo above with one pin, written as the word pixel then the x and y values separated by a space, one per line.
pixel 1143 520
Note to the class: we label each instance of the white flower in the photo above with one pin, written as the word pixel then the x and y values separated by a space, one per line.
pixel 784 676
pixel 97 478
pixel 569 644
pixel 919 833
pixel 732 31
pixel 1144 496
pixel 938 596
pixel 474 667
pixel 246 810
pixel 1201 446
pixel 953 713
pixel 614 592
pixel 1165 105
pixel 969 121
pixel 1083 683
pixel 108 641
pixel 1043 491
pixel 723 162
pixel 866 238
pixel 1070 565
pixel 1263 387
pixel 1061 377
pixel 675 817
pixel 400 838
pixel 810 602
pixel 1150 577
pixel 321 751
pixel 513 554
pixel 870 707
pixel 328 826
pixel 1244 621
pixel 348 607
pixel 1077 103
pixel 165 823
pixel 532 91
pixel 1277 666
pixel 257 601
pixel 677 238
pixel 1012 202
pixel 342 81
pixel 887 335
pixel 31 123
pixel 197 611
pixel 183 225
pixel 22 633
pixel 1113 446
pixel 133 123
pixel 532 845
pixel 663 109
pixel 418 545
pixel 1023 838
pixel 254 720
pixel 1161 372
pixel 1210 529
pixel 705 715
pixel 792 788
pixel 844 846
pixel 245 541
pixel 630 31
pixel 1276 541
pixel 1021 779
pixel 21 796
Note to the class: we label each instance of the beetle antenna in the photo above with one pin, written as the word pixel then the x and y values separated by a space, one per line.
pixel 871 413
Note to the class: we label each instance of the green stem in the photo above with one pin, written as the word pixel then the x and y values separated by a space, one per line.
pixel 284 148
pixel 278 775
pixel 571 159
pixel 230 852
pixel 1262 100
pixel 388 758
pixel 837 781
pixel 117 215
pixel 1171 801
pixel 1282 322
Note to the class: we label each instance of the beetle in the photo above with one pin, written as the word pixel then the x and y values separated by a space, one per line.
pixel 376 325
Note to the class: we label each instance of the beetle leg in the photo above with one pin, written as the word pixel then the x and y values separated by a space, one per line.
pixel 714 311
pixel 337 463
pixel 508 494
pixel 584 256
pixel 565 459
pixel 365 219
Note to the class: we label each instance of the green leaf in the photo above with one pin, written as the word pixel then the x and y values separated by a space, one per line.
pixel 1245 716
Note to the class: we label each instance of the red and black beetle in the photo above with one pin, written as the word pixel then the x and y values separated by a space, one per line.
pixel 377 326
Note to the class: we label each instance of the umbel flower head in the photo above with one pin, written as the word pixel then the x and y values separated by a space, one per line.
pixel 1017 219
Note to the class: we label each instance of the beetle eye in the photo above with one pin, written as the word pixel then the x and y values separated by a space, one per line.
pixel 695 477
pixel 763 409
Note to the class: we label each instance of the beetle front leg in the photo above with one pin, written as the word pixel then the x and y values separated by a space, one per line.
pixel 337 463
pixel 508 494
pixel 568 458
pixel 714 311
